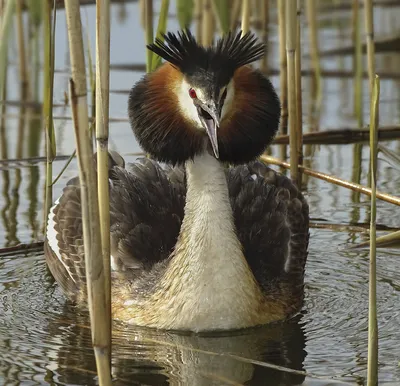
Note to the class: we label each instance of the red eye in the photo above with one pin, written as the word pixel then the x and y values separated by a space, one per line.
pixel 192 93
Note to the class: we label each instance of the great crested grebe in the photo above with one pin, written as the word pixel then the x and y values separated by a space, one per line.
pixel 197 246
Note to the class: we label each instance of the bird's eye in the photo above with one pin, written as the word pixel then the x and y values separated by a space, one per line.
pixel 192 93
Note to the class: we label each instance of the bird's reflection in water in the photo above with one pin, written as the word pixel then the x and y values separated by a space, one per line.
pixel 149 357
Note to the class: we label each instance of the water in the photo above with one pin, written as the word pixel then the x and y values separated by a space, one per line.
pixel 45 340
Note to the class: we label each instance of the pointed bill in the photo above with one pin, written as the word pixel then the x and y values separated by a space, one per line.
pixel 211 124
pixel 211 129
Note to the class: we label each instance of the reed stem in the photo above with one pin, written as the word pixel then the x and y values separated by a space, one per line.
pixel 161 30
pixel 299 100
pixel 235 13
pixel 221 11
pixel 102 134
pixel 198 19
pixel 334 180
pixel 89 202
pixel 48 81
pixel 369 29
pixel 245 25
pixel 358 66
pixel 315 60
pixel 23 73
pixel 264 32
pixel 283 73
pixel 291 42
pixel 207 26
pixel 149 32
pixel 372 379
pixel 4 31
pixel 282 59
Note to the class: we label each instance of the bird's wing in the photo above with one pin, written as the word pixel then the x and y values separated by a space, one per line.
pixel 63 247
pixel 146 211
pixel 271 219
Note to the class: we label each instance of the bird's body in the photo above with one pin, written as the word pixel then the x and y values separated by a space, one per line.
pixel 197 246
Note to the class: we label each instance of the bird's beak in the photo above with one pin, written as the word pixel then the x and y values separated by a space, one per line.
pixel 211 123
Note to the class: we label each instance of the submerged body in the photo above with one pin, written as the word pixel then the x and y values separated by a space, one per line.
pixel 198 246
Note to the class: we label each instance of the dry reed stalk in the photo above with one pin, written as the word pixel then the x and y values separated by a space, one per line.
pixel 4 32
pixel 235 13
pixel 283 72
pixel 161 30
pixel 90 209
pixel 3 115
pixel 369 29
pixel 35 17
pixel 207 23
pixel 142 13
pixel 102 134
pixel 299 100
pixel 291 42
pixel 343 137
pixel 315 60
pixel 23 73
pixel 372 377
pixel 391 239
pixel 23 77
pixel 221 11
pixel 245 24
pixel 264 32
pixel 358 67
pixel 149 32
pixel 334 180
pixel 3 107
pixel 48 80
pixel 197 16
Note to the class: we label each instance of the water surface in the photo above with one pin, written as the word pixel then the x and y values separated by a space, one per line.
pixel 45 340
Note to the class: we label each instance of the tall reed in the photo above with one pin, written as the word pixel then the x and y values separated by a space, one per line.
pixel 207 23
pixel 372 379
pixel 299 101
pixel 334 180
pixel 265 31
pixel 23 73
pixel 315 60
pixel 358 65
pixel 48 80
pixel 283 72
pixel 291 43
pixel 197 16
pixel 102 134
pixel 89 203
pixel 245 25
pixel 161 30
pixel 4 31
pixel 235 13
pixel 221 9
pixel 369 29
pixel 149 32
pixel 35 17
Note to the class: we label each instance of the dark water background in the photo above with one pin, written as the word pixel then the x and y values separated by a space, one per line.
pixel 43 340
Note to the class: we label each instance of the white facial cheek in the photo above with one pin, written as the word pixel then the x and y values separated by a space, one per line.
pixel 187 107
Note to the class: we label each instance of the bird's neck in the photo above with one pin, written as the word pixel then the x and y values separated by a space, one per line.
pixel 208 275
pixel 208 232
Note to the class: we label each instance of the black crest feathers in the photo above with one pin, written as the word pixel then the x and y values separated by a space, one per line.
pixel 231 52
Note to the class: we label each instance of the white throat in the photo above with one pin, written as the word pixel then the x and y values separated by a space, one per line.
pixel 214 287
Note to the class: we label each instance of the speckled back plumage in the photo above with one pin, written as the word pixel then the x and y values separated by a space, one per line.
pixel 146 213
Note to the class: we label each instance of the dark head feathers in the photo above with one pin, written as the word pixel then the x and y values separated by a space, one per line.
pixel 231 52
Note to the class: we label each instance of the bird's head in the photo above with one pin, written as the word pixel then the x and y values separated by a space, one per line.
pixel 205 98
